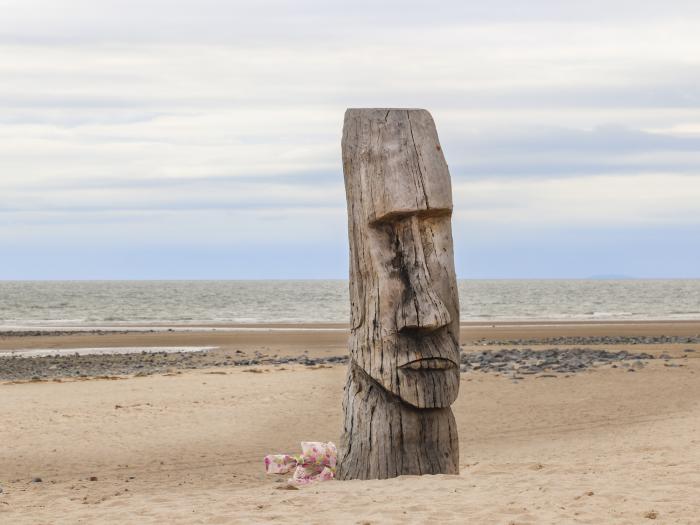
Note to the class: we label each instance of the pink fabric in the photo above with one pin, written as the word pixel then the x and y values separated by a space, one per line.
pixel 316 463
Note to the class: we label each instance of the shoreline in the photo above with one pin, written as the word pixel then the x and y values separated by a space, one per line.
pixel 146 351
pixel 315 325
pixel 319 335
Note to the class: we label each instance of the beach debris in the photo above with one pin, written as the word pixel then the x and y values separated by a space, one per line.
pixel 317 462
pixel 37 480
pixel 651 514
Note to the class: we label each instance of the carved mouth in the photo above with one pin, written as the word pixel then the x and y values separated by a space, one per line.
pixel 432 363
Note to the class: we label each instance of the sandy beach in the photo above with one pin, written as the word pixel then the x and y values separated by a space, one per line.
pixel 185 445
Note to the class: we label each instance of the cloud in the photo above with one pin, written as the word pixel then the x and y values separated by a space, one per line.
pixel 595 202
pixel 256 23
pixel 561 152
pixel 193 123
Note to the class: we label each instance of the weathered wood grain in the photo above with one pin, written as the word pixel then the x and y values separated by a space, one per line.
pixel 403 292
pixel 384 437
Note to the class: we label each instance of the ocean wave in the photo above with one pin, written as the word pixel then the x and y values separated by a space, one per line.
pixel 191 303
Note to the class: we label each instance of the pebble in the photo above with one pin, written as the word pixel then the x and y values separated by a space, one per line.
pixel 595 340
pixel 50 367
pixel 52 333
pixel 526 361
pixel 562 361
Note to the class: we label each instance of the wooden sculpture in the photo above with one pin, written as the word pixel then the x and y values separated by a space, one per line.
pixel 403 373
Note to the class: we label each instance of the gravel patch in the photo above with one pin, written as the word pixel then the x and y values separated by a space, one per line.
pixel 593 340
pixel 527 362
pixel 515 363
pixel 17 368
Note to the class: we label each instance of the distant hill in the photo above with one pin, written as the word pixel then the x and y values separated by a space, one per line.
pixel 610 277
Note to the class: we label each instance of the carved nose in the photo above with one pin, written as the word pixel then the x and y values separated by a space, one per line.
pixel 421 308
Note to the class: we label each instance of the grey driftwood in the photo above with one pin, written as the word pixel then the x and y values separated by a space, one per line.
pixel 403 373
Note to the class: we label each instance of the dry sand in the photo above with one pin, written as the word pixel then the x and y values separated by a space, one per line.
pixel 602 446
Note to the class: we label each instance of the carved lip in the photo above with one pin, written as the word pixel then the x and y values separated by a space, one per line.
pixel 430 363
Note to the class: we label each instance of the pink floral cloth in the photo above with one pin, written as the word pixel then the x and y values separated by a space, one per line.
pixel 316 463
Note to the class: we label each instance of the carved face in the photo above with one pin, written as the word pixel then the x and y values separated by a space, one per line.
pixel 405 308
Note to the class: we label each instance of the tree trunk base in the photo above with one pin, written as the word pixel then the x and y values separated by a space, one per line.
pixel 384 437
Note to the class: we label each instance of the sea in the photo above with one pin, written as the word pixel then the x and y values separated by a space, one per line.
pixel 28 304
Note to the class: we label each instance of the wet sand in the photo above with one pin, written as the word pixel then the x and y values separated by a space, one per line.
pixel 601 446
pixel 330 339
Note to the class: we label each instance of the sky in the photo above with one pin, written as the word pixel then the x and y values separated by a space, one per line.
pixel 201 139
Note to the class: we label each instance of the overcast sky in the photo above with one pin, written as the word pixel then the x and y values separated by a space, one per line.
pixel 201 139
